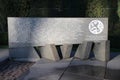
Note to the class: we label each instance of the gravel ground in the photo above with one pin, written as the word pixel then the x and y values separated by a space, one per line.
pixel 11 70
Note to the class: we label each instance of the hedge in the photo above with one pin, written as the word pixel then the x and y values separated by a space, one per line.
pixel 114 41
pixel 4 38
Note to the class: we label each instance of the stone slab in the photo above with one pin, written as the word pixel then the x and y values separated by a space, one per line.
pixel 114 63
pixel 113 71
pixel 47 70
pixel 42 31
pixel 83 50
pixel 66 69
pixel 72 76
pixel 102 50
pixel 23 54
pixel 91 62
pixel 66 50
pixel 90 68
pixel 49 52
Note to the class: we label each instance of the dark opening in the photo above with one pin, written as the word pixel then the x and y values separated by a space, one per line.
pixel 59 51
pixel 74 49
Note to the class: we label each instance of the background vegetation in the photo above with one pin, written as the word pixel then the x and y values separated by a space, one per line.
pixel 62 8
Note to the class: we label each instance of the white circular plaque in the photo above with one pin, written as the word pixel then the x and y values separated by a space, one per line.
pixel 96 27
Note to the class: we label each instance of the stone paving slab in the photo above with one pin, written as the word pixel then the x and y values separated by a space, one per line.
pixel 72 76
pixel 48 70
pixel 90 68
pixel 67 69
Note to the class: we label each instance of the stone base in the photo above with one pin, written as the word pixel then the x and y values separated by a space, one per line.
pixel 102 50
pixel 49 52
pixel 83 50
pixel 23 54
pixel 66 50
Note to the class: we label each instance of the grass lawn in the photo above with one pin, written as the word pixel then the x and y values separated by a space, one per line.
pixel 4 46
pixel 114 50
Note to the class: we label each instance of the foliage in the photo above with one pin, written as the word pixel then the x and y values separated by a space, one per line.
pixel 97 8
pixel 118 11
pixel 4 38
pixel 61 8
pixel 114 41
pixel 3 11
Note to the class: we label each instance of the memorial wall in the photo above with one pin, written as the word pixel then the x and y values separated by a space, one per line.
pixel 25 32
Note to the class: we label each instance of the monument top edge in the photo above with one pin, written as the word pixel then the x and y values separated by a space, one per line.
pixel 64 17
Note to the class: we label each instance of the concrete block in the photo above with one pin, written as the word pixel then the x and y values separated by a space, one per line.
pixel 102 50
pixel 66 50
pixel 113 68
pixel 49 52
pixel 41 31
pixel 83 50
pixel 23 54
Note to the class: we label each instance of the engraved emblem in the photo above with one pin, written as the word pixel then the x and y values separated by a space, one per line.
pixel 96 27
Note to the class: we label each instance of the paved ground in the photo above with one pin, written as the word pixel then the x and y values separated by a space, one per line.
pixel 68 69
pixel 12 70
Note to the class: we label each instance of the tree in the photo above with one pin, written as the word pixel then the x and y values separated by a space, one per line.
pixel 97 8
pixel 118 10
pixel 3 14
pixel 24 8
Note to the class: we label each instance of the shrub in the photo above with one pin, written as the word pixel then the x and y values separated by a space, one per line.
pixel 4 38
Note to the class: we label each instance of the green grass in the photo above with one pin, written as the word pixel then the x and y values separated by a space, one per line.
pixel 114 50
pixel 4 46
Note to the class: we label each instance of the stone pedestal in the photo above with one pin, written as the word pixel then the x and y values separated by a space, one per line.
pixel 49 52
pixel 66 50
pixel 23 54
pixel 102 50
pixel 83 50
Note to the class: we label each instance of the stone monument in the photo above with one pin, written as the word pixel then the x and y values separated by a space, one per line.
pixel 25 33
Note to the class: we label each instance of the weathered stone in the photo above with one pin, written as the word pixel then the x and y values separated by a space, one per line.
pixel 102 50
pixel 42 31
pixel 23 54
pixel 83 50
pixel 49 52
pixel 66 50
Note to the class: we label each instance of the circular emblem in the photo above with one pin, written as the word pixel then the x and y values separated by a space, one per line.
pixel 96 27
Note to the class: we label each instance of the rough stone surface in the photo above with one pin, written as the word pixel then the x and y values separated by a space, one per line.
pixel 113 68
pixel 49 52
pixel 66 69
pixel 49 70
pixel 12 70
pixel 83 50
pixel 42 31
pixel 102 50
pixel 91 68
pixel 114 63
pixel 72 76
pixel 23 54
pixel 66 50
